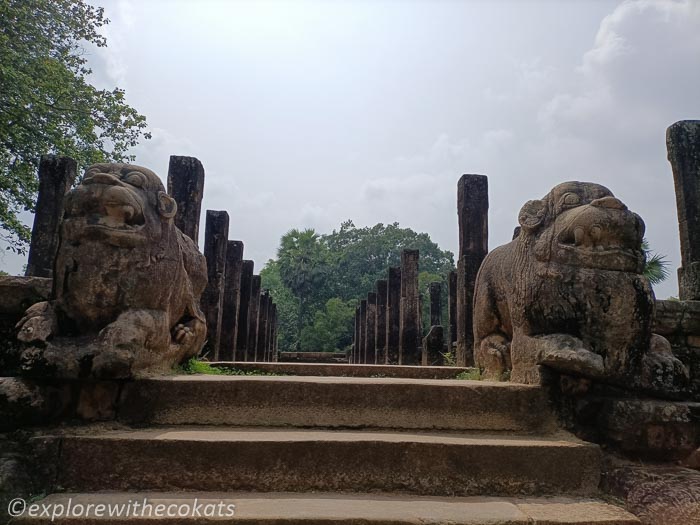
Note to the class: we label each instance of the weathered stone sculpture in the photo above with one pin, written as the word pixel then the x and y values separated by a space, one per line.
pixel 568 294
pixel 127 283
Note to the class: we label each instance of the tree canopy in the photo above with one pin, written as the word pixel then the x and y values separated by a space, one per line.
pixel 47 104
pixel 317 279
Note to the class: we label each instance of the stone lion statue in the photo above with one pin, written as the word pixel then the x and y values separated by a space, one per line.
pixel 568 293
pixel 126 283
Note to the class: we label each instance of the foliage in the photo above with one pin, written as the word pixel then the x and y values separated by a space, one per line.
pixel 656 266
pixel 331 328
pixel 470 375
pixel 303 268
pixel 449 358
pixel 363 255
pixel 194 366
pixel 47 104
pixel 287 304
pixel 317 280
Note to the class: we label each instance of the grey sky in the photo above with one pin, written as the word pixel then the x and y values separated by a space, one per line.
pixel 305 114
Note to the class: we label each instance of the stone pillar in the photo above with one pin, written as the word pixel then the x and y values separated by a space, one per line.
pixel 380 324
pixel 683 144
pixel 272 332
pixel 56 176
pixel 243 305
pixel 452 309
pixel 275 337
pixel 433 347
pixel 409 330
pixel 232 290
pixel 263 312
pixel 393 315
pixel 435 291
pixel 215 244
pixel 472 210
pixel 370 346
pixel 186 186
pixel 355 336
pixel 363 332
pixel 253 309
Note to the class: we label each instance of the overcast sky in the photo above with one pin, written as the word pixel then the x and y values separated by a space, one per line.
pixel 305 114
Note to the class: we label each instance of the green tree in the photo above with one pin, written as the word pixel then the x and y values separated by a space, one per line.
pixel 331 329
pixel 47 104
pixel 361 256
pixel 303 268
pixel 287 304
pixel 317 279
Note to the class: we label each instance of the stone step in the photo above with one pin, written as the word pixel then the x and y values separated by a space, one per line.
pixel 320 509
pixel 347 370
pixel 264 459
pixel 336 402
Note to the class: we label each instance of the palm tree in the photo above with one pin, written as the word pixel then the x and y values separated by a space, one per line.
pixel 303 266
pixel 655 265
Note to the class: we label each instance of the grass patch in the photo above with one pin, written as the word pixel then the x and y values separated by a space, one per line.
pixel 196 367
pixel 470 375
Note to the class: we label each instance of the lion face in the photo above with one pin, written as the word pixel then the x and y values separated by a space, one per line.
pixel 583 224
pixel 120 204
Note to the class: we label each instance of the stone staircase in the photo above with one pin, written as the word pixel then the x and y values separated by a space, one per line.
pixel 322 450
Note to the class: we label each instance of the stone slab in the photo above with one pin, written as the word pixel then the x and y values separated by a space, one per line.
pixel 268 460
pixel 336 402
pixel 317 509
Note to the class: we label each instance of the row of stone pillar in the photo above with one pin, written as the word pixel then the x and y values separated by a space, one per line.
pixel 241 317
pixel 388 323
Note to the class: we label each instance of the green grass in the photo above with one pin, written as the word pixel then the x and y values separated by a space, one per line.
pixel 194 367
pixel 470 375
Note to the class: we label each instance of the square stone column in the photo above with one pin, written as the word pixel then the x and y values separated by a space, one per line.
pixel 253 309
pixel 393 315
pixel 472 211
pixel 247 269
pixel 363 332
pixel 355 337
pixel 56 177
pixel 370 346
pixel 380 323
pixel 186 186
pixel 435 292
pixel 409 331
pixel 683 145
pixel 215 244
pixel 263 312
pixel 232 291
pixel 452 309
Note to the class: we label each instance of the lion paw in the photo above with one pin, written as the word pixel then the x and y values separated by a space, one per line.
pixel 183 334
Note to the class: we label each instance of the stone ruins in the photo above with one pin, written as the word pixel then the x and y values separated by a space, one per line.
pixel 538 383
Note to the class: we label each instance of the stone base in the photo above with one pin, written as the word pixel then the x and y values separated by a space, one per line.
pixel 634 426
pixel 689 282
pixel 26 402
pixel 657 495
